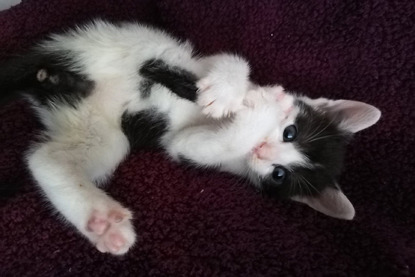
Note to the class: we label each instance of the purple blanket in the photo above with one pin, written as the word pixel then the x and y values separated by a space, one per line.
pixel 192 222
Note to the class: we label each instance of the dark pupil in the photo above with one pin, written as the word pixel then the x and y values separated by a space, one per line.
pixel 279 175
pixel 290 133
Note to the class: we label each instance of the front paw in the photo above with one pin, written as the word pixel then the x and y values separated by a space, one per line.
pixel 223 90
pixel 219 100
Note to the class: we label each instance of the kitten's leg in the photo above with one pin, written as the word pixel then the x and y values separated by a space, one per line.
pixel 205 147
pixel 220 91
pixel 224 84
pixel 61 171
pixel 213 145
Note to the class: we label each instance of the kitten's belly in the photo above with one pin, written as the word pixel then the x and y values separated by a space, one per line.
pixel 91 131
pixel 97 145
pixel 179 112
pixel 111 96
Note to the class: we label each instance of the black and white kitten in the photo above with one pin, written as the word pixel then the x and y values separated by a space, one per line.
pixel 89 85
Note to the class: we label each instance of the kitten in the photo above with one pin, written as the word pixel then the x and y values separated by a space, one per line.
pixel 92 86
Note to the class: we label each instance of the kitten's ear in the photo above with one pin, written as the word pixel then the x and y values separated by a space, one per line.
pixel 331 202
pixel 354 115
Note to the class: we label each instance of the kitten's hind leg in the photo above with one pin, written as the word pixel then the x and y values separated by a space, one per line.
pixel 61 170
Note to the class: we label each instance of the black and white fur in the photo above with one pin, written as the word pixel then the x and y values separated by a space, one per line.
pixel 92 87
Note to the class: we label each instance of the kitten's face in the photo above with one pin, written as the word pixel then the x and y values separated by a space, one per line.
pixel 275 147
pixel 301 154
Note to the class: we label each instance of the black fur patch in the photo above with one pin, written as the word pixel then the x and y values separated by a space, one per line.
pixel 67 87
pixel 20 76
pixel 177 80
pixel 324 144
pixel 300 181
pixel 320 139
pixel 144 129
pixel 145 88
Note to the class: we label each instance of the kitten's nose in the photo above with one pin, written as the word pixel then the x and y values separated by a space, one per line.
pixel 261 145
pixel 265 151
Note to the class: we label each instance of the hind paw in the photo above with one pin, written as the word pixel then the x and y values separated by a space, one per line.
pixel 112 230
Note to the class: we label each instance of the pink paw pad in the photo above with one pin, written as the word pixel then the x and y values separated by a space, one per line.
pixel 115 242
pixel 112 243
pixel 97 225
pixel 111 231
pixel 280 95
pixel 116 216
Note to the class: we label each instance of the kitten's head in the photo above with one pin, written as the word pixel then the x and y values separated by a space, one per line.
pixel 301 156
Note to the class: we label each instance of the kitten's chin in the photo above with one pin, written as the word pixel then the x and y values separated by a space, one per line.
pixel 255 153
pixel 253 159
pixel 257 166
pixel 254 179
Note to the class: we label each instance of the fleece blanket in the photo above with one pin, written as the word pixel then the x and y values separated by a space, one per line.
pixel 194 222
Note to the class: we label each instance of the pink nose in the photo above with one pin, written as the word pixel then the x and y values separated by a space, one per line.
pixel 265 151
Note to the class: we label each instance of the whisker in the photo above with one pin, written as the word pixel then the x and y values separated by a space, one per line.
pixel 328 136
pixel 308 182
pixel 331 121
pixel 307 187
pixel 291 187
pixel 315 131
pixel 300 187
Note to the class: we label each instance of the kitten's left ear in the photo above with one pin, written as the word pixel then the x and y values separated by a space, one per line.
pixel 354 115
pixel 331 202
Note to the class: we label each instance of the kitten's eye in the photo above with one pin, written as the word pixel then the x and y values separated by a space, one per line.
pixel 279 174
pixel 290 133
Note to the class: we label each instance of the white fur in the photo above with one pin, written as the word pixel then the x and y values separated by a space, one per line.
pixel 86 144
pixel 223 89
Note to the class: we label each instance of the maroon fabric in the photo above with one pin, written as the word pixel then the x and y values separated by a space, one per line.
pixel 193 222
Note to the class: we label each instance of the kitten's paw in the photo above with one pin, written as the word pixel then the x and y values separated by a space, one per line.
pixel 284 99
pixel 111 230
pixel 219 99
pixel 268 95
pixel 222 91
